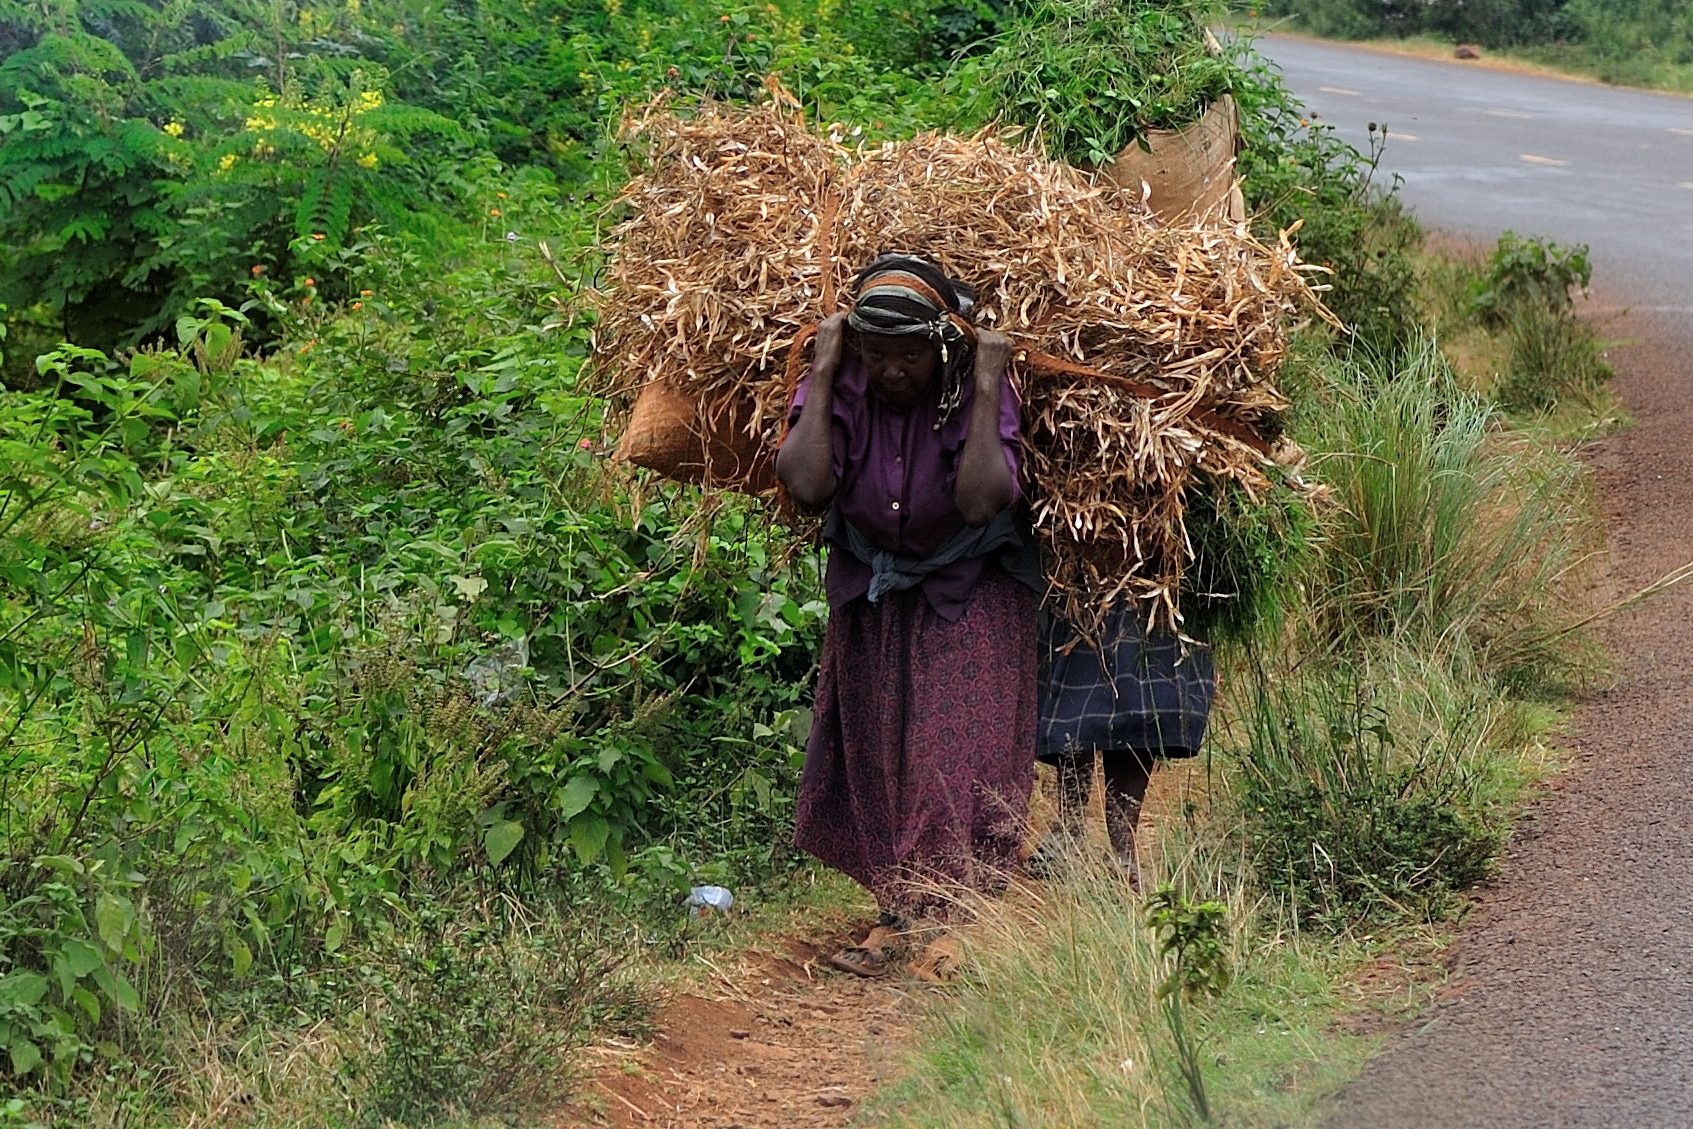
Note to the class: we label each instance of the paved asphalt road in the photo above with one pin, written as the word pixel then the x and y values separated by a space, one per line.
pixel 1572 1000
pixel 1484 151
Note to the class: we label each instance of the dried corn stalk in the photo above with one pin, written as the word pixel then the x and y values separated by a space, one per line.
pixel 1147 351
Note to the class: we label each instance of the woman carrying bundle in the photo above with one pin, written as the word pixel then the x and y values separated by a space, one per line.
pixel 918 768
pixel 1135 696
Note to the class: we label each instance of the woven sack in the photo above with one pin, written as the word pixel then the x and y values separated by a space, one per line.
pixel 1189 172
pixel 665 435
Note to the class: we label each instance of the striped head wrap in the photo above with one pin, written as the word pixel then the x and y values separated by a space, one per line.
pixel 906 296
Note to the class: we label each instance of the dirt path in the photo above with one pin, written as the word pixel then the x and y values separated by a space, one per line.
pixel 1572 1003
pixel 778 1040
pixel 770 1041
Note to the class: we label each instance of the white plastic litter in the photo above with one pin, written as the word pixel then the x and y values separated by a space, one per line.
pixel 703 901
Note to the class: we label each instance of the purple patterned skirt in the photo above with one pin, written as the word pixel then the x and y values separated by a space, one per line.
pixel 922 751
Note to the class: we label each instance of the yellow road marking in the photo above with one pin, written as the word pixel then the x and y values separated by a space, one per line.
pixel 1508 114
pixel 1533 160
pixel 1339 90
pixel 1402 136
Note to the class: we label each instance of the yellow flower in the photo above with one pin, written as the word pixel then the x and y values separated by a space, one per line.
pixel 368 161
pixel 228 162
pixel 174 129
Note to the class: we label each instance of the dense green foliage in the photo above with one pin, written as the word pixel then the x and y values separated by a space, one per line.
pixel 285 638
pixel 155 153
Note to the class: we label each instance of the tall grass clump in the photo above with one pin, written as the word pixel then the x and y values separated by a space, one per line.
pixel 1060 1017
pixel 1371 789
pixel 1448 532
pixel 1556 360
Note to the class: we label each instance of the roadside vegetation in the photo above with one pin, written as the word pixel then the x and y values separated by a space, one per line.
pixel 362 726
pixel 1646 43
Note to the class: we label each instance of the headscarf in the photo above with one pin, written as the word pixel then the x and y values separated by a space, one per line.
pixel 905 296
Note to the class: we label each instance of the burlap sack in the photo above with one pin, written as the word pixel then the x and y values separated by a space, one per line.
pixel 1190 171
pixel 665 434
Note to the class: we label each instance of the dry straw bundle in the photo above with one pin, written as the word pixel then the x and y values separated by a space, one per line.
pixel 1146 352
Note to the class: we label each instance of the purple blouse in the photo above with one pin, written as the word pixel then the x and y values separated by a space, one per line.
pixel 896 477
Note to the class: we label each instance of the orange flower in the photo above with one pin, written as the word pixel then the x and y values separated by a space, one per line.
pixel 493 211
pixel 501 195
pixel 722 19
pixel 317 235
pixel 358 305
pixel 311 282
pixel 258 270
pixel 366 293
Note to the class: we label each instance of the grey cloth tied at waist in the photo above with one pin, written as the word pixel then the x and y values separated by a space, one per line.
pixel 1005 534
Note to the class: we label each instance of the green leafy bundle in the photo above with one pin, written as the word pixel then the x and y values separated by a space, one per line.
pixel 1095 75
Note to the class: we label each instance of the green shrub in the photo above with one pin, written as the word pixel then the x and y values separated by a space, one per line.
pixel 480 1009
pixel 1527 289
pixel 1534 272
pixel 1365 797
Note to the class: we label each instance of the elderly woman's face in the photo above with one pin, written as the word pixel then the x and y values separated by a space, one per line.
pixel 901 369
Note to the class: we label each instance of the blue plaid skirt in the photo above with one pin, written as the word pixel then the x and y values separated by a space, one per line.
pixel 1134 692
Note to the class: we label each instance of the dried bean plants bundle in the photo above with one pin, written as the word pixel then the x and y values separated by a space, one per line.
pixel 1146 353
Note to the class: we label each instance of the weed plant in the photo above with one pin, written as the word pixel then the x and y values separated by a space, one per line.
pixel 1528 287
pixel 480 1007
pixel 1557 360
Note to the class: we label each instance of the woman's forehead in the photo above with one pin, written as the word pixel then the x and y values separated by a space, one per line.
pixel 890 343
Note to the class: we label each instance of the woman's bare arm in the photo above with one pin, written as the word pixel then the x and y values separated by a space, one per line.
pixel 806 462
pixel 984 477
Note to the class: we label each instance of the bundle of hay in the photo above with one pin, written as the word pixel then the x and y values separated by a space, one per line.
pixel 1146 353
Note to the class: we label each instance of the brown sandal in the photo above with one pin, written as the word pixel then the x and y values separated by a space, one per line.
pixel 875 957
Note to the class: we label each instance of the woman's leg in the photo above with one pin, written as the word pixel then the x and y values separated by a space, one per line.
pixel 1075 782
pixel 1127 774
